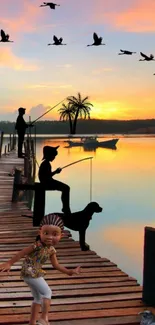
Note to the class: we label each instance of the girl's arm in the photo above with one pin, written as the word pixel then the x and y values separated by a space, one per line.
pixel 6 266
pixel 61 268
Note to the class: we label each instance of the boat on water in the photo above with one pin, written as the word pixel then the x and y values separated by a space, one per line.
pixel 92 142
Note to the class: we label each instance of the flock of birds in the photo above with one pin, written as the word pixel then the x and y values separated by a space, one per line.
pixel 97 40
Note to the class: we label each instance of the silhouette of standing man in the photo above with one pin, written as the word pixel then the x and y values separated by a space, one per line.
pixel 21 127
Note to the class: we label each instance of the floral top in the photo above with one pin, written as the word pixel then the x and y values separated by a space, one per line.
pixel 32 264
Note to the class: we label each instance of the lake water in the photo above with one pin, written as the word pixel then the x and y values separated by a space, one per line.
pixel 123 183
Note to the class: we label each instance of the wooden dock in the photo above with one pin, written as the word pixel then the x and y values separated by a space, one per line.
pixel 101 294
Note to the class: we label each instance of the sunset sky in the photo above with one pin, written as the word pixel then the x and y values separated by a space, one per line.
pixel 37 76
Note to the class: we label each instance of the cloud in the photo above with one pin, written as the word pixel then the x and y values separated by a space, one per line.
pixel 24 16
pixel 101 70
pixel 127 15
pixel 53 86
pixel 34 112
pixel 38 110
pixel 24 19
pixel 65 86
pixel 136 16
pixel 8 115
pixel 67 65
pixel 9 60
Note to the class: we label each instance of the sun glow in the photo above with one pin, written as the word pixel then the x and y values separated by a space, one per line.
pixel 109 110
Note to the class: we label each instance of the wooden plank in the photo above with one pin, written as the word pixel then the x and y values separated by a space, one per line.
pixel 74 292
pixel 84 306
pixel 77 300
pixel 87 314
pixel 60 252
pixel 127 320
pixel 67 286
pixel 83 264
pixel 65 259
pixel 21 246
pixel 71 251
pixel 80 281
pixel 58 275
pixel 27 240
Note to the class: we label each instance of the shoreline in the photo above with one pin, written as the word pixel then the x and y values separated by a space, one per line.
pixel 76 136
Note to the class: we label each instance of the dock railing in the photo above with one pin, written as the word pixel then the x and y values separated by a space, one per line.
pixel 25 177
pixel 9 146
pixel 1 142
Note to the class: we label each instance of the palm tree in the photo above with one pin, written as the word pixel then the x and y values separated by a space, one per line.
pixel 67 113
pixel 81 107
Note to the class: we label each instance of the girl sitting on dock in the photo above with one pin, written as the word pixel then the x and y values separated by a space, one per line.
pixel 50 233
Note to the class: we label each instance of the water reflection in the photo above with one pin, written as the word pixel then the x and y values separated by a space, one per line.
pixel 123 184
pixel 91 143
pixel 91 148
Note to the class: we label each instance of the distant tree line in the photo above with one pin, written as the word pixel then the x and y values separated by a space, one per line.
pixel 90 126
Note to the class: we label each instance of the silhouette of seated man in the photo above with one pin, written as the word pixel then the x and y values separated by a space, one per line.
pixel 45 175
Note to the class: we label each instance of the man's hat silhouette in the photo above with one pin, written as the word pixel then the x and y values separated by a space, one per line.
pixel 49 151
pixel 21 109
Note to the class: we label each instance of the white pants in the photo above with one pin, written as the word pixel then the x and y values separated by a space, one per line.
pixel 39 288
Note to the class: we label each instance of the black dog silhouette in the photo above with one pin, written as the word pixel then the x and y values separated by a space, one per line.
pixel 79 221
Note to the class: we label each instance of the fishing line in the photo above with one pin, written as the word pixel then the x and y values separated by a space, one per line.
pixel 91 177
pixel 35 141
pixel 30 128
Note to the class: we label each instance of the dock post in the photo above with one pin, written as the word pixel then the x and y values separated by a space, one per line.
pixel 148 295
pixel 5 150
pixel 10 141
pixel 1 142
pixel 26 167
pixel 14 140
pixel 39 206
pixel 17 180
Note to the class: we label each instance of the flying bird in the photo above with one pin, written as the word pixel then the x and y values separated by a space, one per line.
pixel 126 52
pixel 147 58
pixel 50 4
pixel 147 318
pixel 97 40
pixel 57 41
pixel 4 37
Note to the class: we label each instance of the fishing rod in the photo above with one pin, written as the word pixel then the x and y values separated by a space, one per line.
pixel 75 162
pixel 38 119
pixel 47 111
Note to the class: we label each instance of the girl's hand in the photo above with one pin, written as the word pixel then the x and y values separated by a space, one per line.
pixel 77 270
pixel 5 267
